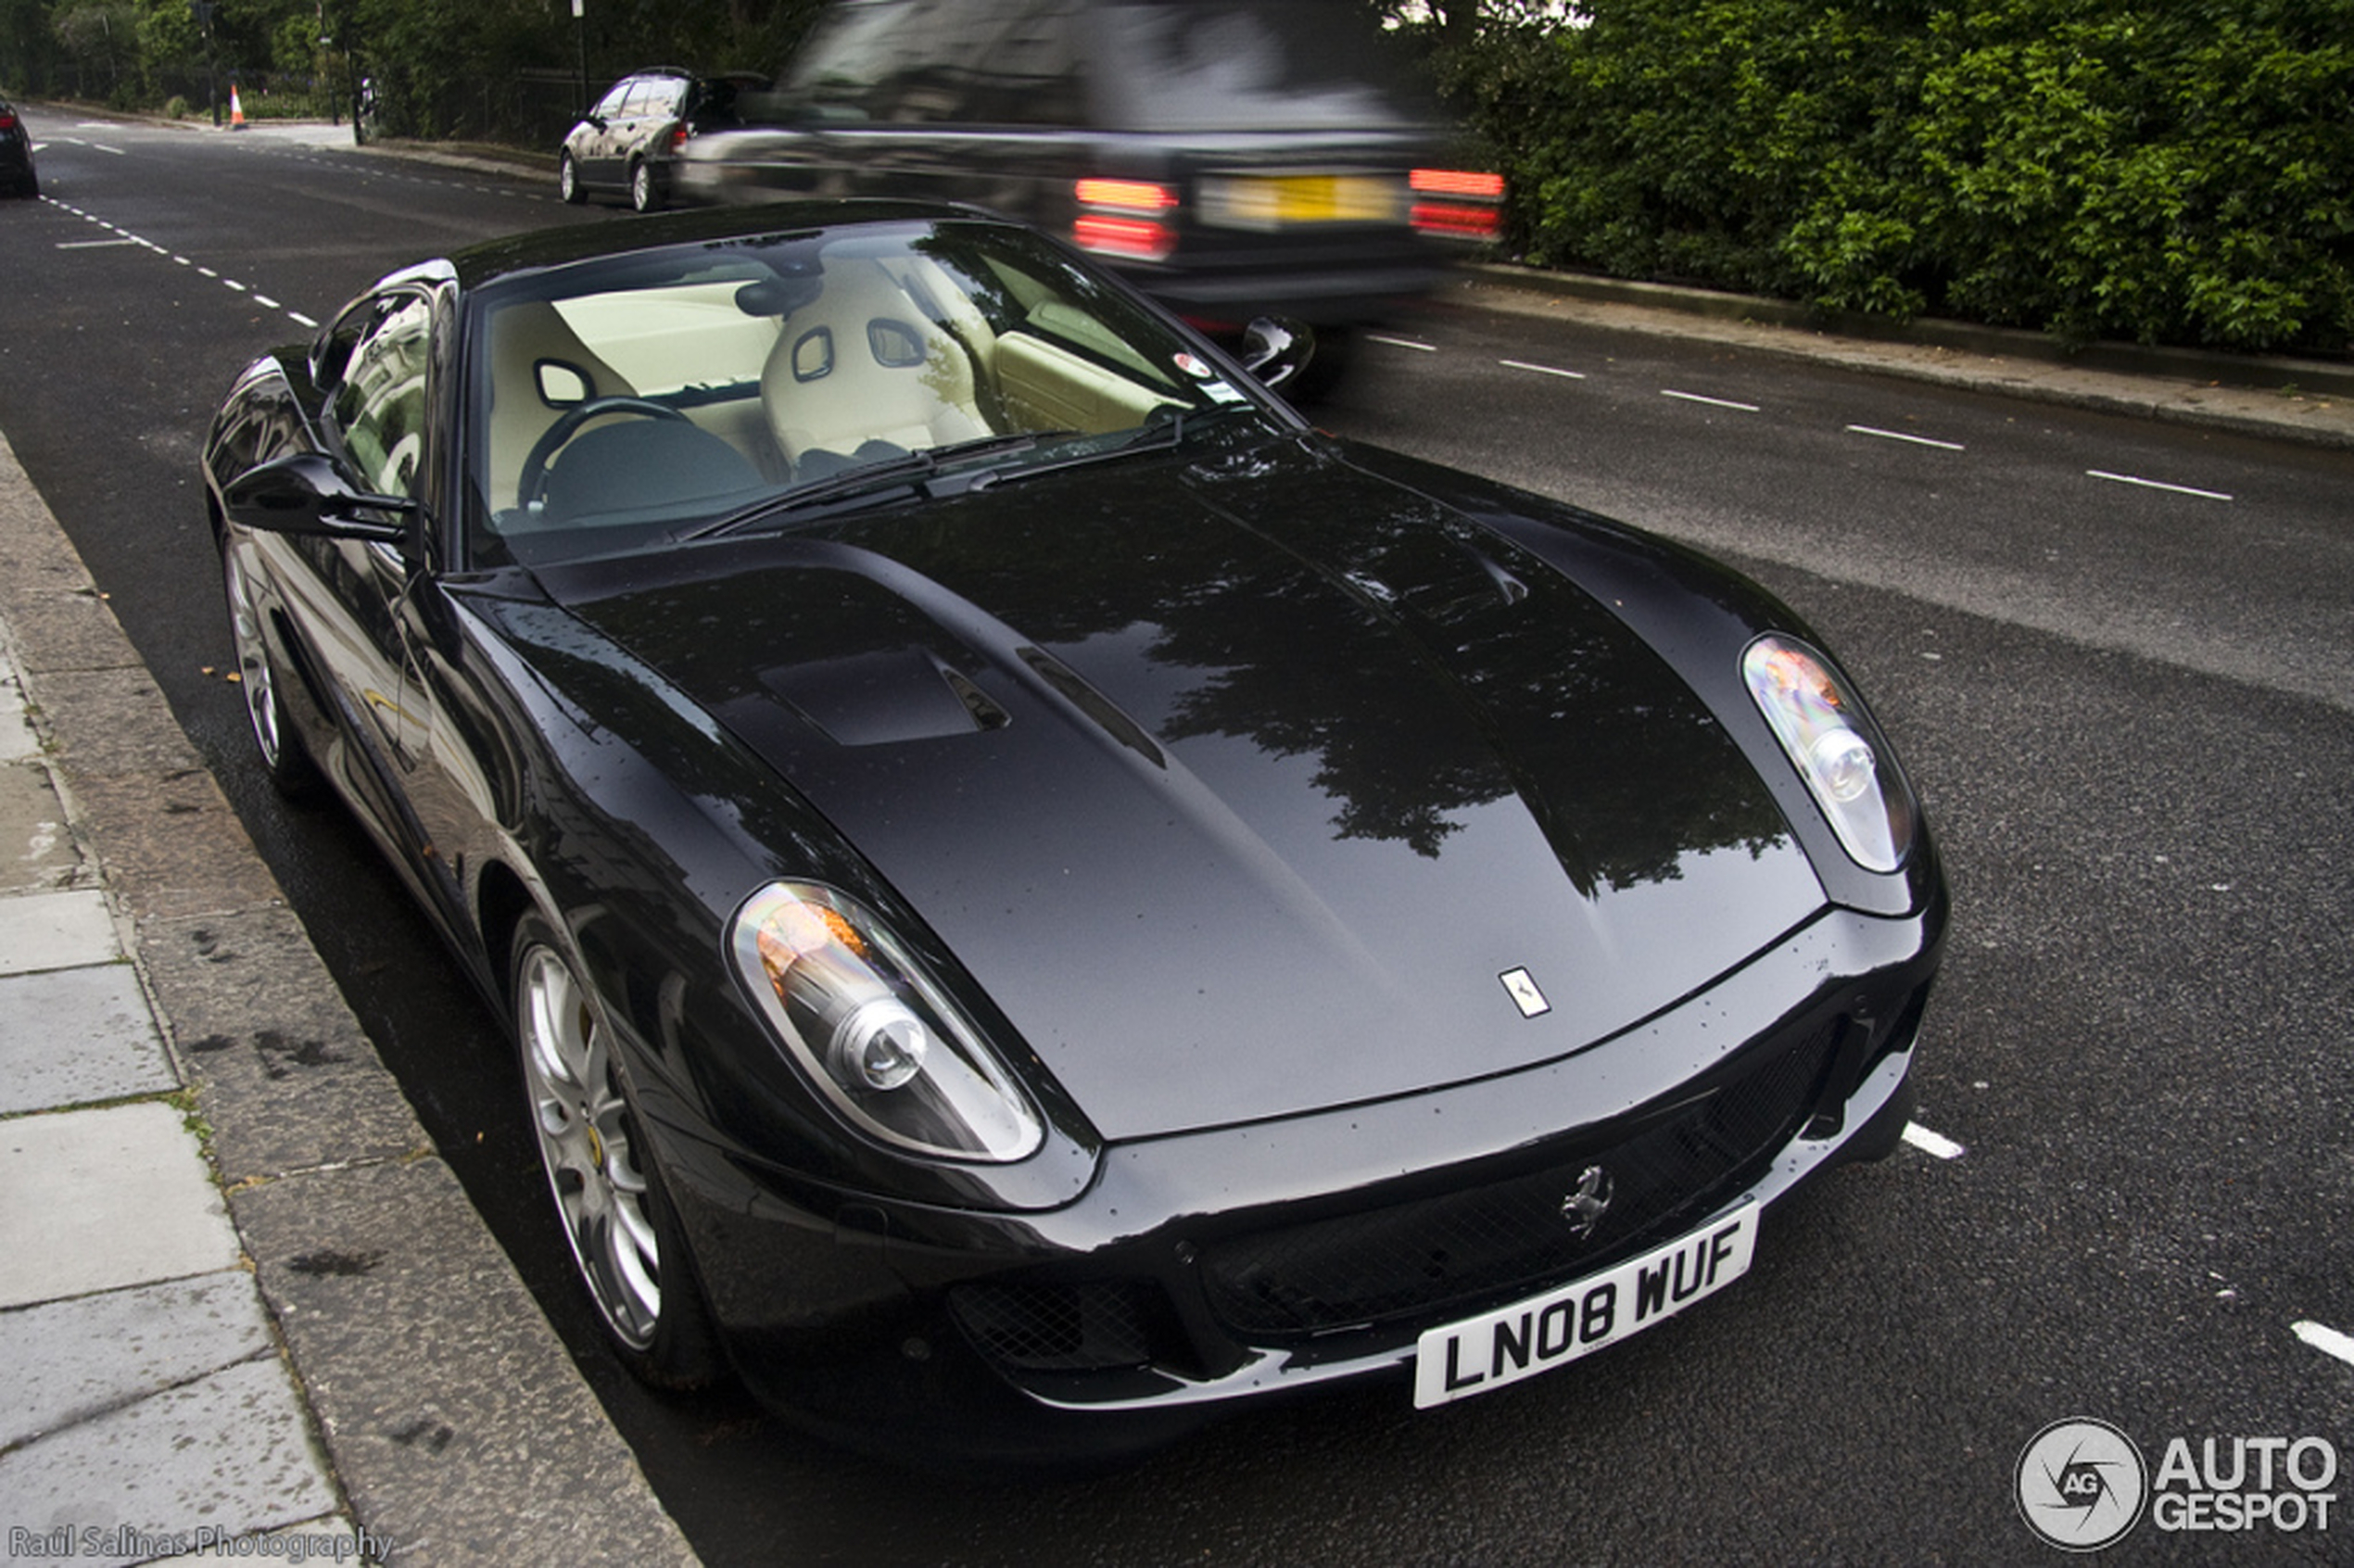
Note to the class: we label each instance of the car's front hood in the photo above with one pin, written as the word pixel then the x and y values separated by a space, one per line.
pixel 1243 790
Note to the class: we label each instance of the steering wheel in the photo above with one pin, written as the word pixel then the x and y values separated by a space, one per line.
pixel 534 479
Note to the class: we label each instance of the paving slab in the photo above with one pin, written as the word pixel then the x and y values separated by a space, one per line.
pixel 73 1037
pixel 56 930
pixel 230 1451
pixel 71 1361
pixel 98 1199
pixel 37 848
pixel 19 739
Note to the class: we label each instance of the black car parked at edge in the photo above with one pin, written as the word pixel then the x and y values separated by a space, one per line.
pixel 1038 895
pixel 16 173
pixel 1231 158
pixel 631 140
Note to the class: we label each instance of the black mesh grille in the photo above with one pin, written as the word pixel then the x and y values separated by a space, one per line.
pixel 1048 1327
pixel 1421 1256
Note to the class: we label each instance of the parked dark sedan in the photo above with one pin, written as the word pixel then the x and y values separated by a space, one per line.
pixel 631 140
pixel 1038 895
pixel 1229 157
pixel 16 173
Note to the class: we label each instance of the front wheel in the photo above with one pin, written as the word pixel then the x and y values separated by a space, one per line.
pixel 625 1238
pixel 568 184
pixel 288 765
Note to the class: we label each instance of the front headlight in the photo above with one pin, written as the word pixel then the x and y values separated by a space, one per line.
pixel 878 1038
pixel 1836 749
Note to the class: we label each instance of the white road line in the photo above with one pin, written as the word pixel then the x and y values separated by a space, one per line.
pixel 129 239
pixel 1899 435
pixel 1543 370
pixel 2328 1341
pixel 1401 343
pixel 2156 485
pixel 1932 1143
pixel 101 146
pixel 1712 402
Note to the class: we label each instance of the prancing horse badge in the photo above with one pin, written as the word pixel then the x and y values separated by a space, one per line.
pixel 1525 996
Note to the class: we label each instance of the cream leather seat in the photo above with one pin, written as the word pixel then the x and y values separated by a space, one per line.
pixel 861 372
pixel 524 338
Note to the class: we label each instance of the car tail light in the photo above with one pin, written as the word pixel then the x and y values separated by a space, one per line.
pixel 1458 203
pixel 1121 218
pixel 1126 195
pixel 8 122
pixel 678 138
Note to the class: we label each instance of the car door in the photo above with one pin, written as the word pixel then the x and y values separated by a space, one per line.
pixel 346 595
pixel 599 161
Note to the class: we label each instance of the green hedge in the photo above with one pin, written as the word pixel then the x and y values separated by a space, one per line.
pixel 2144 169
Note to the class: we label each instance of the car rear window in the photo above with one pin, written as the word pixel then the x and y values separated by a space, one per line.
pixel 1010 62
pixel 1250 65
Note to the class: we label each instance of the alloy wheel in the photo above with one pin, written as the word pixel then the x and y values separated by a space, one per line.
pixel 588 1141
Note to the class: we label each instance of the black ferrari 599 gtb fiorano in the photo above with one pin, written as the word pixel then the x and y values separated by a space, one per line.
pixel 1037 895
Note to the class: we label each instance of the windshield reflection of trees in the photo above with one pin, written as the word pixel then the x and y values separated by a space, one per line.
pixel 1518 682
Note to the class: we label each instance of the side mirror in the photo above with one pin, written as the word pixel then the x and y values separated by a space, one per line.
pixel 1275 350
pixel 303 494
pixel 598 121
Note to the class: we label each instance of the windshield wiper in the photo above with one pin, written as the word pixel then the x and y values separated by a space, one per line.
pixel 880 474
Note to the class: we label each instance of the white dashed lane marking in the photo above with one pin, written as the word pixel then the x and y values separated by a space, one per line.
pixel 1543 370
pixel 2156 485
pixel 1712 402
pixel 2328 1341
pixel 1931 1143
pixel 1875 431
pixel 1901 436
pixel 129 239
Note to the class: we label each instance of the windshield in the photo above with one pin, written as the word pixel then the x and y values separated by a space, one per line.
pixel 640 400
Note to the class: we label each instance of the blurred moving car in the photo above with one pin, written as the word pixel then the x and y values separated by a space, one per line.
pixel 1040 897
pixel 1231 158
pixel 16 173
pixel 630 141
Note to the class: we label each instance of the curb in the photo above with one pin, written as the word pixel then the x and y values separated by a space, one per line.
pixel 456 1425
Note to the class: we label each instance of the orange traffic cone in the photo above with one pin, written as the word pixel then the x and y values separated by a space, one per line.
pixel 236 109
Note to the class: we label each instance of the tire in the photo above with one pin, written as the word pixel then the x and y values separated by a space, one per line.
pixel 291 771
pixel 568 184
pixel 627 1243
pixel 645 192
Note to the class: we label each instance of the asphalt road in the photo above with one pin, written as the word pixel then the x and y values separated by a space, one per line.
pixel 2113 653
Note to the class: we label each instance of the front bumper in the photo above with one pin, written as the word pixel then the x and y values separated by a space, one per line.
pixel 1249 1262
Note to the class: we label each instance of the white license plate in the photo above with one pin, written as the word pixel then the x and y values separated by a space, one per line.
pixel 1545 1332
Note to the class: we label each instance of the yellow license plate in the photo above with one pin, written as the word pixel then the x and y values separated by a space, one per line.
pixel 1277 201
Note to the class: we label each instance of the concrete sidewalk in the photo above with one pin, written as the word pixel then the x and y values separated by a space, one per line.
pixel 248 1311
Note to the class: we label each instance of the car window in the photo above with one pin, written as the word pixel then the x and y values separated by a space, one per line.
pixel 1258 65
pixel 380 406
pixel 621 403
pixel 931 62
pixel 609 107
